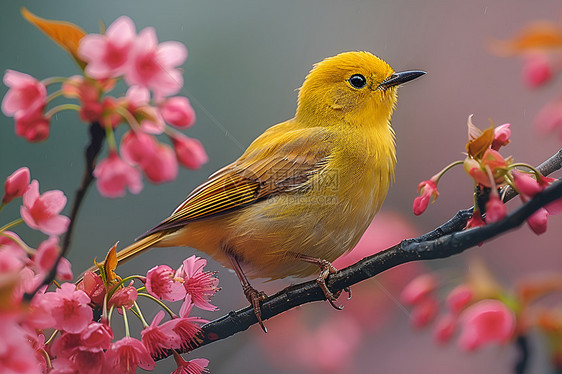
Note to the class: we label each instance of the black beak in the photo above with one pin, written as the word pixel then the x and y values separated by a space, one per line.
pixel 400 77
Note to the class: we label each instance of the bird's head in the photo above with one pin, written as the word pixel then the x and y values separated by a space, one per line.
pixel 350 86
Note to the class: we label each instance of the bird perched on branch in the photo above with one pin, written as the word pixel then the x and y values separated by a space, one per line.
pixel 304 191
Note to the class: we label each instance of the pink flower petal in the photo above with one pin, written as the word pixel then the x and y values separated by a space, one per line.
pixel 55 225
pixel 189 152
pixel 419 288
pixel 445 328
pixel 172 54
pixel 488 321
pixel 121 31
pixel 31 194
pixel 177 111
pixel 114 176
pixel 126 354
pixel 162 166
pixel 538 221
pixel 46 255
pixel 26 94
pixel 16 184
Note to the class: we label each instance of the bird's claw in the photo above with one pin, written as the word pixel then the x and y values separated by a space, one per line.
pixel 254 297
pixel 327 269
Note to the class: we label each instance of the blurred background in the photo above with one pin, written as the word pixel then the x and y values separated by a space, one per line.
pixel 246 60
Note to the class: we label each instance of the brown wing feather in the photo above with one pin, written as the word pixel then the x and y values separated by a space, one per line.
pixel 250 179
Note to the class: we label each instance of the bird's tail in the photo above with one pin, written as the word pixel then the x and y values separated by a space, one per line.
pixel 133 250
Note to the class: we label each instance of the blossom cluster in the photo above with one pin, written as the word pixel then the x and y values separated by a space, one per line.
pixel 148 108
pixel 490 172
pixel 77 342
pixel 482 312
pixel 539 45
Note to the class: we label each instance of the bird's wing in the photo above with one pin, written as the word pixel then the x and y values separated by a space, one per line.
pixel 260 173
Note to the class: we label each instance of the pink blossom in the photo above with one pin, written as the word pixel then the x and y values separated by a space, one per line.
pixel 64 270
pixel 537 69
pixel 496 163
pixel 70 309
pixel 11 263
pixel 189 152
pixel 158 339
pixel 185 328
pixel 96 336
pixel 26 94
pixel 110 116
pixel 177 111
pixel 495 208
pixel 418 289
pixel 33 126
pixel 445 328
pixel 71 86
pixel 429 192
pixel 195 366
pixel 201 285
pixel 12 256
pixel 66 345
pixel 475 220
pixel 538 221
pixel 41 212
pixel 63 365
pixel 40 315
pixel 137 97
pixel 109 55
pixel 161 283
pixel 137 147
pixel 46 255
pixel 124 297
pixel 161 166
pixel 124 355
pixel 424 312
pixel 89 361
pixel 527 185
pixel 459 298
pixel 502 134
pixel 91 111
pixel 153 65
pixel 16 185
pixel 93 286
pixel 16 352
pixel 29 281
pixel 549 118
pixel 151 120
pixel 114 175
pixel 486 322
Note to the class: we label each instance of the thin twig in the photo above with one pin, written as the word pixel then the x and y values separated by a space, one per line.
pixel 97 136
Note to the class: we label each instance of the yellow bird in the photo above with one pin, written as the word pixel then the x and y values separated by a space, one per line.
pixel 304 191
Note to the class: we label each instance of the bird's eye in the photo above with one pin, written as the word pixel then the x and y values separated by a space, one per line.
pixel 357 81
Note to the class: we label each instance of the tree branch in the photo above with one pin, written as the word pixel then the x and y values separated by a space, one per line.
pixel 445 241
pixel 97 136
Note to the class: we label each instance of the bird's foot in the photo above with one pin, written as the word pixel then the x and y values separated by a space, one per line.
pixel 326 268
pixel 254 297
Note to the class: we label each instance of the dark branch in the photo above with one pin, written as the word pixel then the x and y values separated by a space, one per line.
pixel 97 136
pixel 446 240
pixel 522 343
